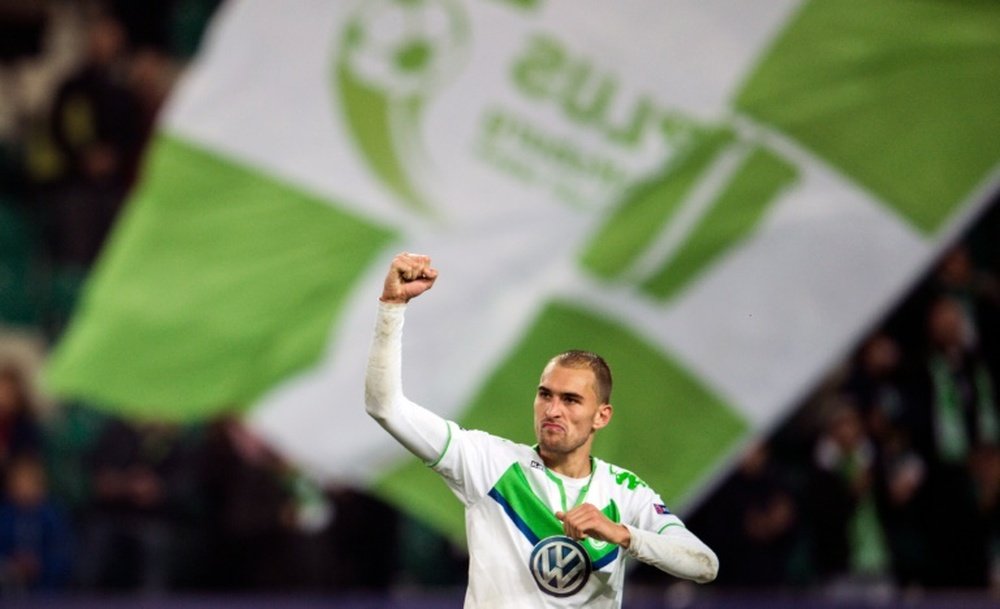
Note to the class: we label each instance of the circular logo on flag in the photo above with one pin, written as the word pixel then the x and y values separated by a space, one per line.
pixel 406 47
pixel 560 566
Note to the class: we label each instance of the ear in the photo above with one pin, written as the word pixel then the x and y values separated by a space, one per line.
pixel 603 416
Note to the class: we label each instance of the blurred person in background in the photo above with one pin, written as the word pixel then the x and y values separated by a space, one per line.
pixel 876 384
pixel 368 525
pixel 901 487
pixel 245 498
pixel 849 545
pixel 754 522
pixel 144 501
pixel 985 470
pixel 959 413
pixel 35 539
pixel 954 418
pixel 978 295
pixel 19 430
pixel 902 493
pixel 267 523
pixel 96 129
pixel 151 77
pixel 269 527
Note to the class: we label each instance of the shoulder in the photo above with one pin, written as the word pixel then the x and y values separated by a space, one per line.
pixel 478 435
pixel 640 505
pixel 474 460
pixel 620 476
pixel 495 447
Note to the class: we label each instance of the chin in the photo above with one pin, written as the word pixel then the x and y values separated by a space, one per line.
pixel 551 447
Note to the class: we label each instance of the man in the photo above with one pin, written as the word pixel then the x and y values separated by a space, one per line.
pixel 549 525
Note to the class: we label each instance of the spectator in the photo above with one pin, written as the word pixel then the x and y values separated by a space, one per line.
pixel 901 491
pixel 957 411
pixel 754 523
pixel 144 497
pixel 95 127
pixel 19 432
pixel 243 481
pixel 151 77
pixel 849 541
pixel 976 292
pixel 954 417
pixel 35 542
pixel 900 472
pixel 366 524
pixel 266 521
pixel 875 382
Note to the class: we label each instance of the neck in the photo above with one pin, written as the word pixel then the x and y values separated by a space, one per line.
pixel 573 465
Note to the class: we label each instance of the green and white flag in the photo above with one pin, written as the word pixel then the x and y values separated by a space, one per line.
pixel 720 197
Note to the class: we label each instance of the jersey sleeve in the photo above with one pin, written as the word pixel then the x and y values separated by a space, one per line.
pixel 647 511
pixel 422 432
pixel 469 461
pixel 473 461
pixel 660 539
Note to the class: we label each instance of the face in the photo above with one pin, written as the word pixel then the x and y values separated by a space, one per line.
pixel 107 38
pixel 846 428
pixel 567 409
pixel 881 355
pixel 947 323
pixel 10 396
pixel 26 484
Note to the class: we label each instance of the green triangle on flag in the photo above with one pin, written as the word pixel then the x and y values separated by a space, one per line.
pixel 218 282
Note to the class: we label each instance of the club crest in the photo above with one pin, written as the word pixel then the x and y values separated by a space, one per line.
pixel 560 566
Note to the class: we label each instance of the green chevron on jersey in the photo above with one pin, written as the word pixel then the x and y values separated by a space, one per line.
pixel 533 517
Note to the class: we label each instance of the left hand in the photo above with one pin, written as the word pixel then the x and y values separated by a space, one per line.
pixel 586 520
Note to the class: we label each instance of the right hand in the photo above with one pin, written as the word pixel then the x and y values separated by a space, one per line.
pixel 410 275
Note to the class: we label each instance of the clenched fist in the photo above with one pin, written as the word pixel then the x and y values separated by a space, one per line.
pixel 410 275
pixel 585 520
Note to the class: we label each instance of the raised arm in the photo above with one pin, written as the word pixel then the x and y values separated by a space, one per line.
pixel 422 432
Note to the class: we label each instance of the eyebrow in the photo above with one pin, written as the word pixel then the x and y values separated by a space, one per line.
pixel 564 394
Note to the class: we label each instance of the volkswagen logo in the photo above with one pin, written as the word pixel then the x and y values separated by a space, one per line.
pixel 560 566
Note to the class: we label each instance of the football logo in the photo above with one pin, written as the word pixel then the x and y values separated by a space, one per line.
pixel 560 566
pixel 393 57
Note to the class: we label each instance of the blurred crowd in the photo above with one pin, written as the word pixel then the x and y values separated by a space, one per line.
pixel 887 478
pixel 88 502
pixel 81 83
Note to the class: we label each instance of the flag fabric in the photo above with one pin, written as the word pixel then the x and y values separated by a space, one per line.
pixel 719 197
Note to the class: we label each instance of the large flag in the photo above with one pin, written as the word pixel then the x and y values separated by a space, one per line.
pixel 720 197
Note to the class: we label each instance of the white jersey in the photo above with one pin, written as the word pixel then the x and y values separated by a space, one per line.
pixel 519 556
